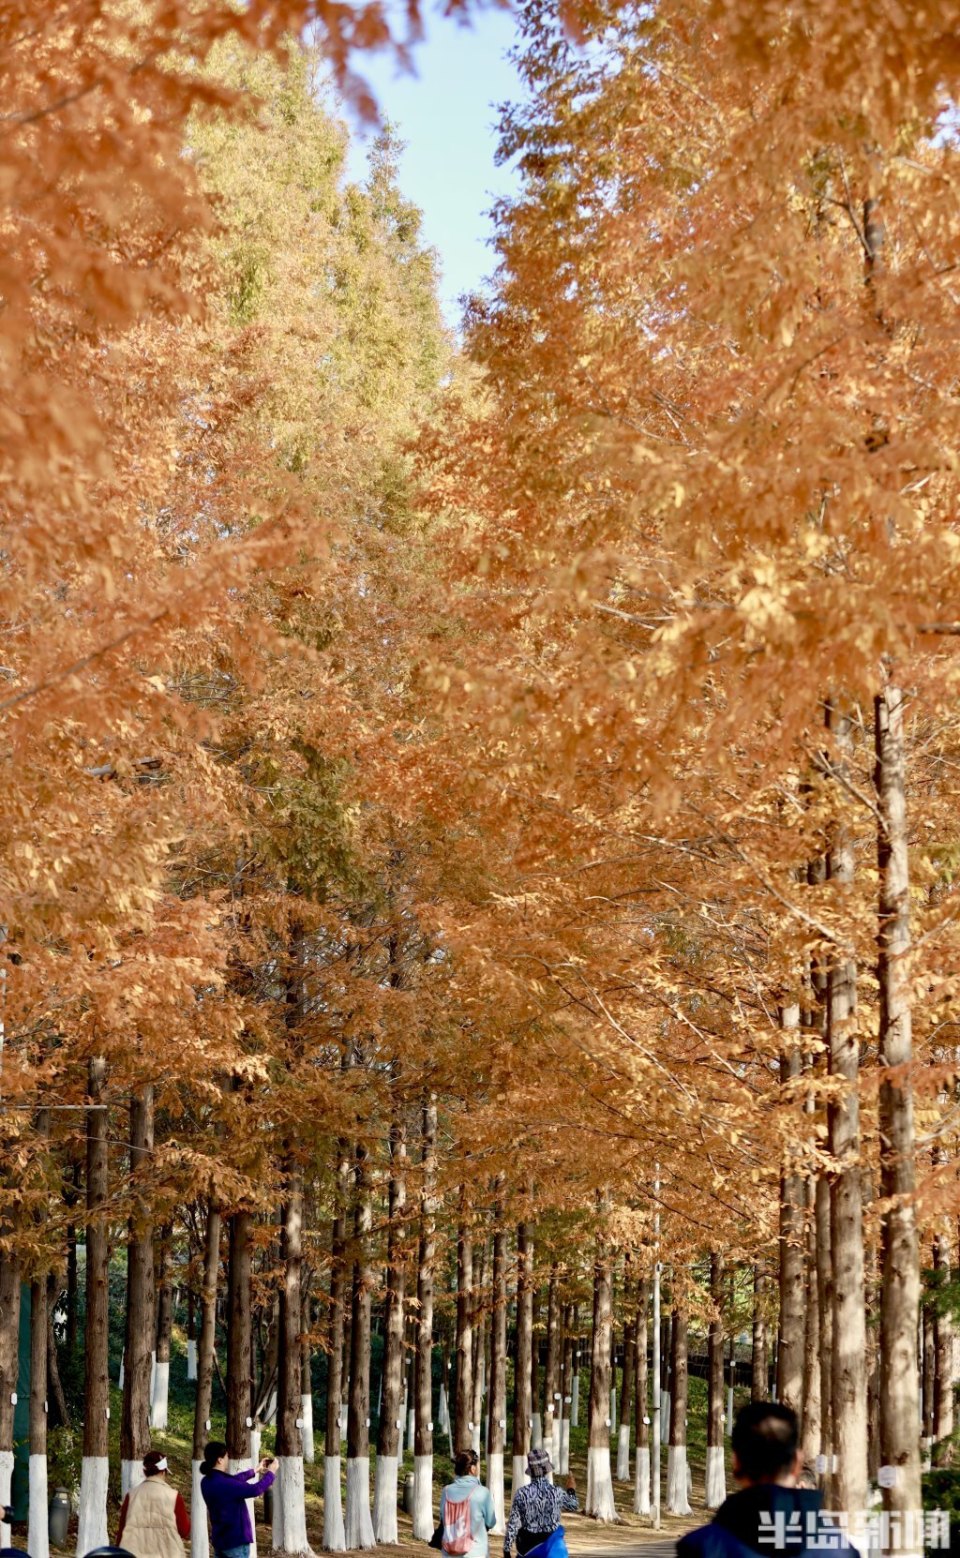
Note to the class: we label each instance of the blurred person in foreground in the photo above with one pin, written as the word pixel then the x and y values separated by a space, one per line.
pixel 770 1513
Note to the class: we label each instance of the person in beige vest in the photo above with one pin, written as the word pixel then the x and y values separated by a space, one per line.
pixel 153 1519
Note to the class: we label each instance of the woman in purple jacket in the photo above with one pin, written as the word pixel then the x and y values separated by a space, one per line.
pixel 226 1497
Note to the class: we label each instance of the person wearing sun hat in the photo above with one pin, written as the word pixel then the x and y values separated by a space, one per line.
pixel 153 1517
pixel 536 1509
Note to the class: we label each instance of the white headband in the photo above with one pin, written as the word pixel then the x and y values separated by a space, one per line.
pixel 161 1464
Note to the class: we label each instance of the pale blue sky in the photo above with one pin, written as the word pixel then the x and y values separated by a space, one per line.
pixel 447 114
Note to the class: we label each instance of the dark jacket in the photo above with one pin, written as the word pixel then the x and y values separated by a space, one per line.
pixel 766 1519
pixel 226 1497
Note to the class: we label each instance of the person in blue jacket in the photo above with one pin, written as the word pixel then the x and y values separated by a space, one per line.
pixel 228 1497
pixel 770 1513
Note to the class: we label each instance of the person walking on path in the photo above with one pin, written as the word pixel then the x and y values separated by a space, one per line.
pixel 227 1497
pixel 536 1509
pixel 153 1517
pixel 770 1513
pixel 466 1510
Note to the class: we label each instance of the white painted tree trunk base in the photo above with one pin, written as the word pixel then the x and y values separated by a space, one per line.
pixel 475 1438
pixel 334 1539
pixel 716 1479
pixel 613 1407
pixel 575 1403
pixel 120 1376
pixel 38 1527
pixel 191 1358
pixel 563 1459
pixel 92 1522
pixel 519 1473
pixel 411 1432
pixel 199 1534
pixel 443 1414
pixel 536 1432
pixel 623 1453
pixel 641 1482
pixel 6 1483
pixel 306 1432
pixel 599 1502
pixel 385 1478
pixel 290 1507
pixel 664 1416
pixel 554 1445
pixel 160 1405
pixel 344 1417
pixel 677 1501
pixel 131 1476
pixel 495 1484
pixel 729 1423
pixel 358 1525
pixel 422 1498
pixel 244 1464
pixel 153 1375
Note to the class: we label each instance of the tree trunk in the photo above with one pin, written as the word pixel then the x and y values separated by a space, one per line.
pixel 825 1306
pixel 566 1389
pixel 463 1386
pixel 334 1539
pixel 522 1404
pixel 929 1367
pixel 390 1437
pixel 160 1406
pixel 38 1543
pixel 599 1480
pixel 641 1416
pixel 206 1349
pixel 677 1500
pixel 423 1441
pixel 92 1525
pixel 900 1280
pixel 306 1375
pixel 759 1376
pixel 289 1500
pixel 552 1399
pixel 359 1524
pixel 239 1371
pixel 790 1348
pixel 139 1318
pixel 944 1345
pixel 716 1487
pixel 849 1417
pixel 53 1372
pixel 497 1401
pixel 626 1383
pixel 811 1410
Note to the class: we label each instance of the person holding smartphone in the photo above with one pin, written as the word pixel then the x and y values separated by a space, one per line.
pixel 227 1497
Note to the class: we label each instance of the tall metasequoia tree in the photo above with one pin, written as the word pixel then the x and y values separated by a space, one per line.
pixel 599 1501
pixel 536 1418
pixel 497 1388
pixel 791 1240
pixel 522 1403
pixel 641 1476
pixel 811 1403
pixel 423 1444
pixel 358 1523
pixel 849 1343
pixel 900 1280
pixel 206 1347
pixel 333 1529
pixel 139 1318
pixel 716 1485
pixel 390 1431
pixel 944 1341
pixel 678 1502
pixel 92 1524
